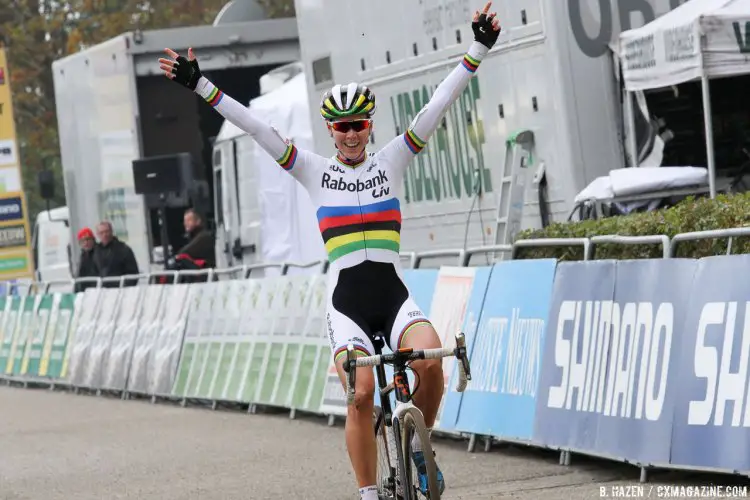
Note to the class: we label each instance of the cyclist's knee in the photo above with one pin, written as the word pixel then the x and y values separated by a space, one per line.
pixel 364 391
pixel 429 368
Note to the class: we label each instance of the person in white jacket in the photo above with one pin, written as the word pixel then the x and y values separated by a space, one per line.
pixel 356 195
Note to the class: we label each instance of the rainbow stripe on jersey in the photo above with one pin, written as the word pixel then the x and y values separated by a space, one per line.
pixel 348 229
pixel 470 63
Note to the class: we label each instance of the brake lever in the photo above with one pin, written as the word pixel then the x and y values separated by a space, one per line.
pixel 462 355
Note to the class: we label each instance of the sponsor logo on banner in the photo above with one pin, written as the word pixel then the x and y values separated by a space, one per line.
pixel 609 357
pixel 12 236
pixel 506 349
pixel 13 263
pixel 712 415
pixel 8 152
pixel 11 209
pixel 601 377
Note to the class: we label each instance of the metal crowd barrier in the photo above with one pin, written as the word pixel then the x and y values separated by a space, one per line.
pixel 230 338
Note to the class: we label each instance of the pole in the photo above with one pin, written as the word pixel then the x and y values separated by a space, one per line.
pixel 632 143
pixel 708 122
pixel 163 223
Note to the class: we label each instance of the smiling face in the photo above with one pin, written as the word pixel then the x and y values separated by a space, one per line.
pixel 351 135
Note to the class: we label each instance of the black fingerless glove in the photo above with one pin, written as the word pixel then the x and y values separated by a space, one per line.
pixel 484 33
pixel 186 73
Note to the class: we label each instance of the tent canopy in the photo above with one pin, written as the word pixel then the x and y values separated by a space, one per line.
pixel 671 49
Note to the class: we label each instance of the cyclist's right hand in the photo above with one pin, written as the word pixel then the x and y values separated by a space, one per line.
pixel 183 71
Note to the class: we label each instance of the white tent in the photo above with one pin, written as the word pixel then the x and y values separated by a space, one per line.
pixel 698 39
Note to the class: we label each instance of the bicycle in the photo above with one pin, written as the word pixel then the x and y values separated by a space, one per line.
pixel 395 429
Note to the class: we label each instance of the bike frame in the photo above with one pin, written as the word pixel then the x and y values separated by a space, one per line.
pixel 391 417
pixel 399 361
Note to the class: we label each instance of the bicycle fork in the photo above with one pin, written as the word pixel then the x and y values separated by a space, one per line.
pixel 392 422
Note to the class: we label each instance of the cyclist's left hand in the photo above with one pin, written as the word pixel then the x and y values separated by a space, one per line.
pixel 183 71
pixel 486 26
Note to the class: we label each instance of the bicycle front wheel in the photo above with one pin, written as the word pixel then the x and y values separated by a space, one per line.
pixel 412 423
pixel 386 476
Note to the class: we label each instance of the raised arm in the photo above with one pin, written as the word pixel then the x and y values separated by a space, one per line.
pixel 486 29
pixel 187 73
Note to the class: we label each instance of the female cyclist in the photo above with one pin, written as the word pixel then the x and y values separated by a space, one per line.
pixel 356 193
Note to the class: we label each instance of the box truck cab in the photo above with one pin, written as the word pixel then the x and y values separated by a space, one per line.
pixel 52 246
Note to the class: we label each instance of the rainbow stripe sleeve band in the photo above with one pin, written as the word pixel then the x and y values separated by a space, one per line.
pixel 415 143
pixel 470 63
pixel 289 158
pixel 214 98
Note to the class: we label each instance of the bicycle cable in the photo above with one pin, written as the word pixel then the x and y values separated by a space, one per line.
pixel 416 377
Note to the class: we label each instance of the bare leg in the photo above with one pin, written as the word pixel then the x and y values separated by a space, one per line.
pixel 429 372
pixel 360 435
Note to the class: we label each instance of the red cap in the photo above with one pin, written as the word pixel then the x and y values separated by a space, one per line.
pixel 85 233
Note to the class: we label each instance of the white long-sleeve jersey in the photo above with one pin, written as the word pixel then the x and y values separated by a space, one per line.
pixel 358 206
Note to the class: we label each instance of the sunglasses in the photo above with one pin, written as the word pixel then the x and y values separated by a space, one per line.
pixel 356 125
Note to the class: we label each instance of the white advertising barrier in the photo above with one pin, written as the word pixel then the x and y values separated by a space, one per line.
pixel 311 362
pixel 262 313
pixel 27 325
pixel 6 321
pixel 231 309
pixel 148 328
pixel 237 389
pixel 162 365
pixel 452 292
pixel 197 319
pixel 101 340
pixel 195 347
pixel 121 348
pixel 63 344
pixel 82 336
pixel 273 337
pixel 211 343
pixel 292 318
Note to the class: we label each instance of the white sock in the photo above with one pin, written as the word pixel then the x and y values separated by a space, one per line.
pixel 368 493
pixel 416 443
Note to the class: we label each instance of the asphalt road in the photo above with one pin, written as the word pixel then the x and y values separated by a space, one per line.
pixel 56 445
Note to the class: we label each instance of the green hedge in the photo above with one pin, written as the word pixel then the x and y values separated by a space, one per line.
pixel 702 214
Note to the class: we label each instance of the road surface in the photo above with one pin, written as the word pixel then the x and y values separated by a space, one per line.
pixel 57 445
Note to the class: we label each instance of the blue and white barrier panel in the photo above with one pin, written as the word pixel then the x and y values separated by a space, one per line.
pixel 712 415
pixel 608 379
pixel 505 331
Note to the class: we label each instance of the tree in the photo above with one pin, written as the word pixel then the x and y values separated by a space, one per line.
pixel 37 32
pixel 278 8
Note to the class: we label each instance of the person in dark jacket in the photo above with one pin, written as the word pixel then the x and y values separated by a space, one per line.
pixel 87 264
pixel 200 251
pixel 115 258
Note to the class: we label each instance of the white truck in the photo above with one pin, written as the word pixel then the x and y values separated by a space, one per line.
pixel 114 106
pixel 539 122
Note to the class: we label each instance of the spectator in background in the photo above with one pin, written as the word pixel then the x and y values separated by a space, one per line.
pixel 115 258
pixel 200 252
pixel 88 266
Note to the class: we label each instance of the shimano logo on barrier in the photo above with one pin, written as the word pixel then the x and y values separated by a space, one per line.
pixel 614 358
pixel 713 364
pixel 341 184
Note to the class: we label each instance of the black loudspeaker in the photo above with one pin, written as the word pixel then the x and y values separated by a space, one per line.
pixel 46 181
pixel 163 174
